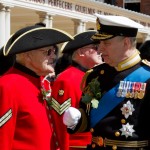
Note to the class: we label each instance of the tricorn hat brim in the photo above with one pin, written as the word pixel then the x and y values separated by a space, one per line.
pixel 80 40
pixel 5 62
pixel 34 37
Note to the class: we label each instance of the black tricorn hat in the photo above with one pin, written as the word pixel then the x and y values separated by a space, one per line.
pixel 80 40
pixel 34 37
pixel 5 62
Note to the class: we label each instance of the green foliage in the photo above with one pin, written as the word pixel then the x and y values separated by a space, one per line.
pixel 92 91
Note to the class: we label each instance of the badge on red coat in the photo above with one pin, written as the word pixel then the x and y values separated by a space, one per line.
pixel 61 92
pixel 5 117
pixel 60 108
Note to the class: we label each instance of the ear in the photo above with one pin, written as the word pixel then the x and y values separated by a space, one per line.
pixel 127 42
pixel 80 52
pixel 28 56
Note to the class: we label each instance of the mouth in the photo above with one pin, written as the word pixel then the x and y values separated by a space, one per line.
pixel 52 63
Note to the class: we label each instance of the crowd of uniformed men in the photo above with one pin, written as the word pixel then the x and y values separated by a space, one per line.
pixel 94 96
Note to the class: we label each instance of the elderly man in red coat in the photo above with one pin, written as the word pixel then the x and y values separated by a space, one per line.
pixel 25 122
pixel 66 90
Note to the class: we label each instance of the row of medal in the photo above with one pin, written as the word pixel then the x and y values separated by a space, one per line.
pixel 130 89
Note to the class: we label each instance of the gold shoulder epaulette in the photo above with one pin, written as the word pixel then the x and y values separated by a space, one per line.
pixel 83 82
pixel 146 62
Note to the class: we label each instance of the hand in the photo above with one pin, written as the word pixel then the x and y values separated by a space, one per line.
pixel 71 117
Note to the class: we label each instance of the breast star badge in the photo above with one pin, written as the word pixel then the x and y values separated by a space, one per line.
pixel 127 109
pixel 127 130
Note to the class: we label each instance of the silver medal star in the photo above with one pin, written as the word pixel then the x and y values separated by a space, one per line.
pixel 127 130
pixel 127 109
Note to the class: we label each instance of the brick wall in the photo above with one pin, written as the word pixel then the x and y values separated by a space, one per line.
pixel 119 3
pixel 145 7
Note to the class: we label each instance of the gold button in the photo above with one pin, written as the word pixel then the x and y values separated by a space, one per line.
pixel 93 145
pixel 123 121
pixel 61 92
pixel 102 72
pixel 114 147
pixel 56 143
pixel 117 133
pixel 91 130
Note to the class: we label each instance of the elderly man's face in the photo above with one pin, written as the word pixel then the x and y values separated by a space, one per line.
pixel 42 60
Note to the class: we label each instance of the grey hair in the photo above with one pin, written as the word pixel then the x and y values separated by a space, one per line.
pixel 133 41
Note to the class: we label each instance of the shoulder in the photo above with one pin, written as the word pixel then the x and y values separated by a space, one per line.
pixel 146 62
pixel 10 81
pixel 100 70
pixel 97 71
pixel 103 66
pixel 69 73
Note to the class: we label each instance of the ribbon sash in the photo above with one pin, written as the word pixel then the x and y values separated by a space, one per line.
pixel 109 100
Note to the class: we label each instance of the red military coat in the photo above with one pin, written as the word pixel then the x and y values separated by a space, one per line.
pixel 65 93
pixel 24 117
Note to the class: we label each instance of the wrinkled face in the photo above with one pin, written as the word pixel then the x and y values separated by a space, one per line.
pixel 92 55
pixel 42 60
pixel 113 50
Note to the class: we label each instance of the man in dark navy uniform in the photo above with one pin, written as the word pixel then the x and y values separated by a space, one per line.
pixel 115 105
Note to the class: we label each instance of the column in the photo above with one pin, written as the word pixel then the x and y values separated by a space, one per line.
pixel 7 23
pixel 43 17
pixel 46 18
pixel 2 25
pixel 83 26
pixel 79 26
pixel 50 21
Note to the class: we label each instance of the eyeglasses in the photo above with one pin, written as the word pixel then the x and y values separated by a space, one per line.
pixel 49 51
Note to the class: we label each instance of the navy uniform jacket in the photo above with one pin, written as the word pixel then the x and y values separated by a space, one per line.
pixel 113 125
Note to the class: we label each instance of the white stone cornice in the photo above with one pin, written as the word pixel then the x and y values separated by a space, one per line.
pixel 99 6
pixel 6 3
pixel 49 9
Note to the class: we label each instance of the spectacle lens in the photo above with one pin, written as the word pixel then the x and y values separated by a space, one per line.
pixel 50 51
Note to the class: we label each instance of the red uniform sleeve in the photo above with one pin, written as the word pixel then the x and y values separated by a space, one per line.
pixel 8 108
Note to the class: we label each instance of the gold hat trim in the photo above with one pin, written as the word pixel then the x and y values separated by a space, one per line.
pixel 101 36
